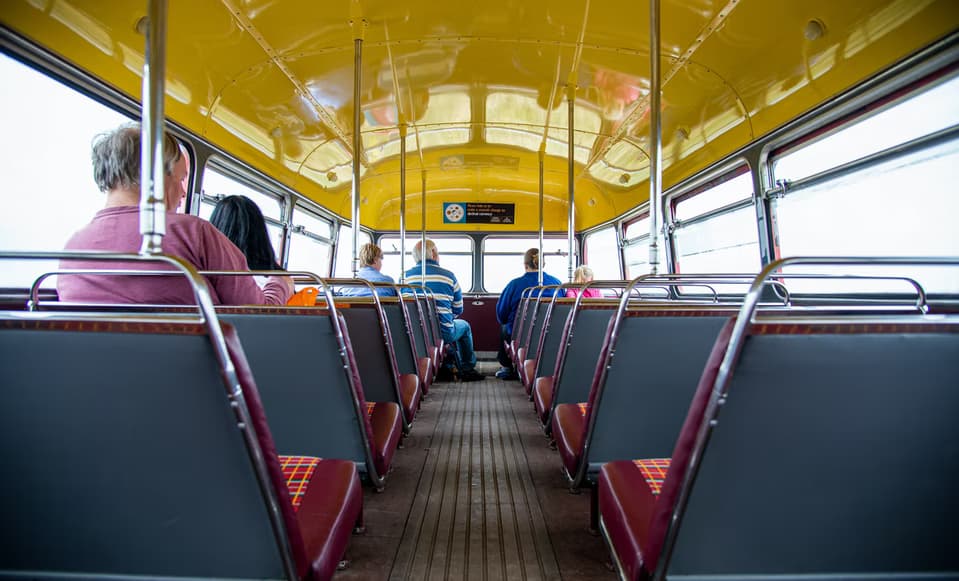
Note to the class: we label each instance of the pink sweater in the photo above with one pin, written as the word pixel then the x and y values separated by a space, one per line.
pixel 188 237
pixel 590 292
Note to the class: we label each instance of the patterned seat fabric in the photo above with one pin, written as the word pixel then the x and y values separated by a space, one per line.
pixel 297 470
pixel 654 472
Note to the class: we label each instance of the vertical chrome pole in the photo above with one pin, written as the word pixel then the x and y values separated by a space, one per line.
pixel 423 254
pixel 152 202
pixel 359 30
pixel 571 225
pixel 542 161
pixel 655 139
pixel 402 200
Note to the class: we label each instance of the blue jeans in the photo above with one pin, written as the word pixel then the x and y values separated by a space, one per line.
pixel 462 337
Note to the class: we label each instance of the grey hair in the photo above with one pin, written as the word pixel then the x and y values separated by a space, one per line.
pixel 116 157
pixel 418 250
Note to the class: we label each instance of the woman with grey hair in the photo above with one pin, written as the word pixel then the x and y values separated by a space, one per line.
pixel 116 228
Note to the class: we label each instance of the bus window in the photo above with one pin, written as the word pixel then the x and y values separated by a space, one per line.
pixel 715 227
pixel 503 259
pixel 911 119
pixel 343 267
pixel 636 247
pixel 217 185
pixel 48 125
pixel 311 245
pixel 602 254
pixel 456 254
pixel 904 205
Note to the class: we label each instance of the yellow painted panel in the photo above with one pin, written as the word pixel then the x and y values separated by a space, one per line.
pixel 271 82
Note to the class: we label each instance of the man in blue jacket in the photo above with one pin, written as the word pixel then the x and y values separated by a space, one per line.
pixel 449 304
pixel 509 302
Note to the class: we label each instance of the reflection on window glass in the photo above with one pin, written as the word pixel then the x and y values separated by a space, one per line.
pixel 602 254
pixel 503 259
pixel 725 243
pixel 637 228
pixel 498 270
pixel 308 254
pixel 636 257
pixel 216 183
pixel 456 254
pixel 728 192
pixel 48 125
pixel 220 185
pixel 312 224
pixel 343 268
pixel 516 137
pixel 903 207
pixel 921 115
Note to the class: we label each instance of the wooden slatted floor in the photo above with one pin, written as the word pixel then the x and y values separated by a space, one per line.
pixel 476 494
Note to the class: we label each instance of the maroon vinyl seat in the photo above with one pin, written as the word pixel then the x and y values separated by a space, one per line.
pixel 327 503
pixel 401 322
pixel 575 361
pixel 327 499
pixel 178 477
pixel 312 391
pixel 410 394
pixel 377 360
pixel 543 397
pixel 636 405
pixel 626 501
pixel 832 469
pixel 569 429
pixel 527 373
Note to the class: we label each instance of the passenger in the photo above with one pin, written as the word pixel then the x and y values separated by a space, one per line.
pixel 116 228
pixel 508 303
pixel 449 304
pixel 582 275
pixel 371 261
pixel 240 220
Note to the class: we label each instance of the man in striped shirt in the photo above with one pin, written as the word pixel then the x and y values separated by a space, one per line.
pixel 449 304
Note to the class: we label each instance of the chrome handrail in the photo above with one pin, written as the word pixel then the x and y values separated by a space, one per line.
pixel 733 350
pixel 208 317
pixel 384 331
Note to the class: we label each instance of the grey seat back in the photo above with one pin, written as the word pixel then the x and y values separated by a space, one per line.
pixel 575 377
pixel 304 386
pixel 552 335
pixel 121 456
pixel 638 411
pixel 835 452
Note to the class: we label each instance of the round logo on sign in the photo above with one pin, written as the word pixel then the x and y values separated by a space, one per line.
pixel 455 212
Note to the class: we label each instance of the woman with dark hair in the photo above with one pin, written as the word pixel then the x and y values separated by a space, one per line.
pixel 241 220
pixel 116 228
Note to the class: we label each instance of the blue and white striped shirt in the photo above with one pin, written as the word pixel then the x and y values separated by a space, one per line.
pixel 446 290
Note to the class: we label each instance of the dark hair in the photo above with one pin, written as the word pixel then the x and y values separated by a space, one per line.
pixel 531 259
pixel 241 220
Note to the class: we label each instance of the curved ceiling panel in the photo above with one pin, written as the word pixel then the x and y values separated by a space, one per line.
pixel 483 86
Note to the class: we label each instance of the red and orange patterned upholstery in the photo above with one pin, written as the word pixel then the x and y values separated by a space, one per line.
pixel 654 472
pixel 583 408
pixel 297 470
pixel 370 405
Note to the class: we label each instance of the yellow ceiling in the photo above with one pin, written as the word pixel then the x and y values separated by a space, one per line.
pixel 481 85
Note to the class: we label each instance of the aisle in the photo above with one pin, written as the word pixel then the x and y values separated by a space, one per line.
pixel 467 498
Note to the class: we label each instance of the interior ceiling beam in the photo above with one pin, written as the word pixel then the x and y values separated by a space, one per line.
pixel 326 117
pixel 640 107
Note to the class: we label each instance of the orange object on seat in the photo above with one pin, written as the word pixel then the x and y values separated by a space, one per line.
pixel 306 297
